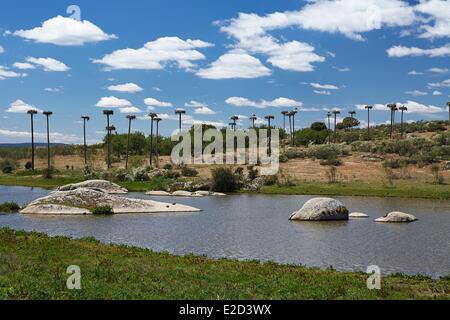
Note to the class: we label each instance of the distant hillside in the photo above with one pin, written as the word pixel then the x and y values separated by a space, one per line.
pixel 28 145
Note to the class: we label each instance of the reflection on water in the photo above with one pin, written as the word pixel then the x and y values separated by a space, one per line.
pixel 257 227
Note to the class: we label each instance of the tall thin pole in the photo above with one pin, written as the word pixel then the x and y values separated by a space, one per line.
pixel 368 120
pixel 32 113
pixel 448 105
pixel 156 144
pixel 108 113
pixel 85 118
pixel 329 127
pixel 152 116
pixel 47 115
pixel 335 124
pixel 130 118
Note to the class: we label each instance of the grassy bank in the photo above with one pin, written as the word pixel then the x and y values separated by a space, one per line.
pixel 33 266
pixel 370 190
pixel 406 190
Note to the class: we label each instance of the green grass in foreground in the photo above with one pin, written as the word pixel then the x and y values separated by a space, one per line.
pixel 361 189
pixel 33 266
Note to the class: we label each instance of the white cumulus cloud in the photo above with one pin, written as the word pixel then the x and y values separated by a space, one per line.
pixel 156 55
pixel 20 106
pixel 113 102
pixel 261 104
pixel 152 102
pixel 65 31
pixel 126 87
pixel 235 65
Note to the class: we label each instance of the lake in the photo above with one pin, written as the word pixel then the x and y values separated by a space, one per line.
pixel 257 227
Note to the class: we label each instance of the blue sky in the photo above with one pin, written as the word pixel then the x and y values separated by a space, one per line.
pixel 216 59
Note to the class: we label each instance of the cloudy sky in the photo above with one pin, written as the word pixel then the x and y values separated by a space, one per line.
pixel 216 59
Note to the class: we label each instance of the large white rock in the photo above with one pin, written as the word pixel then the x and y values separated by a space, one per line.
pixel 79 200
pixel 158 193
pixel 358 215
pixel 321 209
pixel 182 193
pixel 103 185
pixel 397 216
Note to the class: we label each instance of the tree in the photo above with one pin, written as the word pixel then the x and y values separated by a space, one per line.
pixel 318 126
pixel 348 123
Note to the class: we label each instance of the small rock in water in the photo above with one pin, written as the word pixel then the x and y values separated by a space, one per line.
pixel 397 216
pixel 321 209
pixel 358 215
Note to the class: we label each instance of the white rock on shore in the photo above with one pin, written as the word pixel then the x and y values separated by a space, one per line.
pixel 397 216
pixel 78 201
pixel 358 215
pixel 158 193
pixel 103 185
pixel 321 209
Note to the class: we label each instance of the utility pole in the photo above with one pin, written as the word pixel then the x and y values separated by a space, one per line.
pixel 329 127
pixel 253 119
pixel 152 116
pixel 402 109
pixel 47 114
pixel 85 119
pixel 130 118
pixel 157 120
pixel 108 113
pixel 32 112
pixel 368 120
pixel 335 112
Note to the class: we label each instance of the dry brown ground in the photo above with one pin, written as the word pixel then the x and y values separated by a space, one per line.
pixel 353 169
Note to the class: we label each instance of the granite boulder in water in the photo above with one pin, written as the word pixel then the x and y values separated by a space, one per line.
pixel 321 209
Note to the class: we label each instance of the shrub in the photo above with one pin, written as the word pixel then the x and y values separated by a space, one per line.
pixel 8 207
pixel 141 174
pixel 309 136
pixel 318 126
pixel 327 151
pixel 252 173
pixel 295 154
pixel 47 173
pixel 102 210
pixel 224 180
pixel 8 165
pixel 189 172
pixel 122 175
pixel 437 176
pixel 89 173
pixel 330 162
pixel 168 166
pixel 395 163
pixel 28 165
pixel 332 174
pixel 172 174
pixel 270 180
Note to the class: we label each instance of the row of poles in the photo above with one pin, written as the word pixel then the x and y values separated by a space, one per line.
pixel 180 112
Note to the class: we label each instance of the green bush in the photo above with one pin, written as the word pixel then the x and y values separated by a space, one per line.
pixel 141 174
pixel 327 151
pixel 318 126
pixel 8 165
pixel 168 166
pixel 270 180
pixel 102 210
pixel 295 154
pixel 331 162
pixel 8 207
pixel 47 173
pixel 395 163
pixel 224 180
pixel 309 136
pixel 28 165
pixel 252 173
pixel 189 172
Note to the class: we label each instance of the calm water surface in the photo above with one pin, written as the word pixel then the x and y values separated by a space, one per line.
pixel 257 227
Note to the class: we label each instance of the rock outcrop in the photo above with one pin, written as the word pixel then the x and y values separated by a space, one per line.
pixel 158 193
pixel 101 185
pixel 358 215
pixel 81 200
pixel 321 209
pixel 183 193
pixel 397 216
